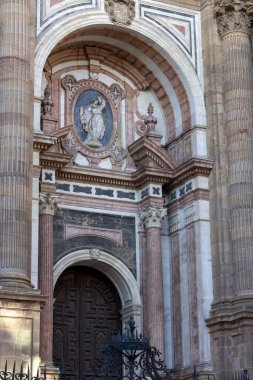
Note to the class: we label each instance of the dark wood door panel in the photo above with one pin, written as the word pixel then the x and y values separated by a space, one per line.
pixel 86 314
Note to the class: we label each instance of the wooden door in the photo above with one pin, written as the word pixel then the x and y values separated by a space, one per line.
pixel 86 314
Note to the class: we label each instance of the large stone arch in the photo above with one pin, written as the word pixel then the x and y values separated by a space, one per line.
pixel 146 31
pixel 115 270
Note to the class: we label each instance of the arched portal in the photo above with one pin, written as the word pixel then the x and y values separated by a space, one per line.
pixel 86 314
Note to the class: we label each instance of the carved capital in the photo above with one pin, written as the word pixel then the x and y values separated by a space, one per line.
pixel 48 203
pixel 233 16
pixel 152 217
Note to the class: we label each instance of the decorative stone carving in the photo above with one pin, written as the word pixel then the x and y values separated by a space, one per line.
pixel 118 153
pixel 233 16
pixel 121 12
pixel 150 120
pixel 117 92
pixel 152 217
pixel 68 82
pixel 48 203
pixel 95 254
pixel 47 103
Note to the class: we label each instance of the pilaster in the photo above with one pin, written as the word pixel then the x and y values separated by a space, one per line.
pixel 48 206
pixel 151 219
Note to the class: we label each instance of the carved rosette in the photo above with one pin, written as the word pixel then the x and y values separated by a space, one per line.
pixel 152 217
pixel 48 203
pixel 233 16
pixel 121 12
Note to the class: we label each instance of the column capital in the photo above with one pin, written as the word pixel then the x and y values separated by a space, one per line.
pixel 48 203
pixel 233 16
pixel 152 217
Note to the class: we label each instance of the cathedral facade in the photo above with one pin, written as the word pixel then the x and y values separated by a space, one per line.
pixel 126 184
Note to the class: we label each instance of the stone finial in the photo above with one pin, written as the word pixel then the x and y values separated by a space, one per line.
pixel 121 12
pixel 152 217
pixel 48 203
pixel 151 120
pixel 47 103
pixel 233 16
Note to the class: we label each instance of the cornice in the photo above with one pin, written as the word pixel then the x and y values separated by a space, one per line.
pixel 42 142
pixel 138 178
pixel 54 160
pixel 153 163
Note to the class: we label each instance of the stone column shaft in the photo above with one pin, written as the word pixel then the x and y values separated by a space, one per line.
pixel 16 136
pixel 152 219
pixel 47 209
pixel 234 26
pixel 154 290
pixel 143 244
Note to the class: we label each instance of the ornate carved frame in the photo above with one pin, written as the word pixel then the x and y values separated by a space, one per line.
pixel 73 89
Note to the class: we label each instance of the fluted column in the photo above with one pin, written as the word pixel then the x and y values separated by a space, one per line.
pixel 152 219
pixel 16 136
pixel 48 205
pixel 234 27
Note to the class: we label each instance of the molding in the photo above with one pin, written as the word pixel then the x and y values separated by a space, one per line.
pixel 146 151
pixel 114 269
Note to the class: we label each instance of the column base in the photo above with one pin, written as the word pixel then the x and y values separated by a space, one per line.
pixel 231 329
pixel 20 329
pixel 52 372
pixel 15 284
pixel 203 370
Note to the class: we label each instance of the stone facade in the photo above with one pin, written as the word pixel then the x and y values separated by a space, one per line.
pixel 140 117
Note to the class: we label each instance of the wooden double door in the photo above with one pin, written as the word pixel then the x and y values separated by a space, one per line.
pixel 86 314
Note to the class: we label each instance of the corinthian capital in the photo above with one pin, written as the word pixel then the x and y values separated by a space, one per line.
pixel 152 217
pixel 48 203
pixel 234 16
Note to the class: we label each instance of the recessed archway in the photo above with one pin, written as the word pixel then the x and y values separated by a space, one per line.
pixel 115 270
pixel 148 35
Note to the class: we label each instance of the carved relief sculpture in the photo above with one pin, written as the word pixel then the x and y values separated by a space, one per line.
pixel 93 123
pixel 93 119
pixel 121 12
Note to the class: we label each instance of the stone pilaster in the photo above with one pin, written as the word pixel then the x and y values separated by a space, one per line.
pixel 229 325
pixel 152 219
pixel 48 205
pixel 16 116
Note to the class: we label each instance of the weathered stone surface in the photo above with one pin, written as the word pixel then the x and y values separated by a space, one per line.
pixel 125 252
pixel 16 110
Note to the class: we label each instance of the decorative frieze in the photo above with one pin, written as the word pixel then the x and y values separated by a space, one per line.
pixel 48 203
pixel 152 216
pixel 233 16
pixel 122 194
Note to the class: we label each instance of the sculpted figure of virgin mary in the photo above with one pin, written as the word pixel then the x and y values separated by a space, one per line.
pixel 93 123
